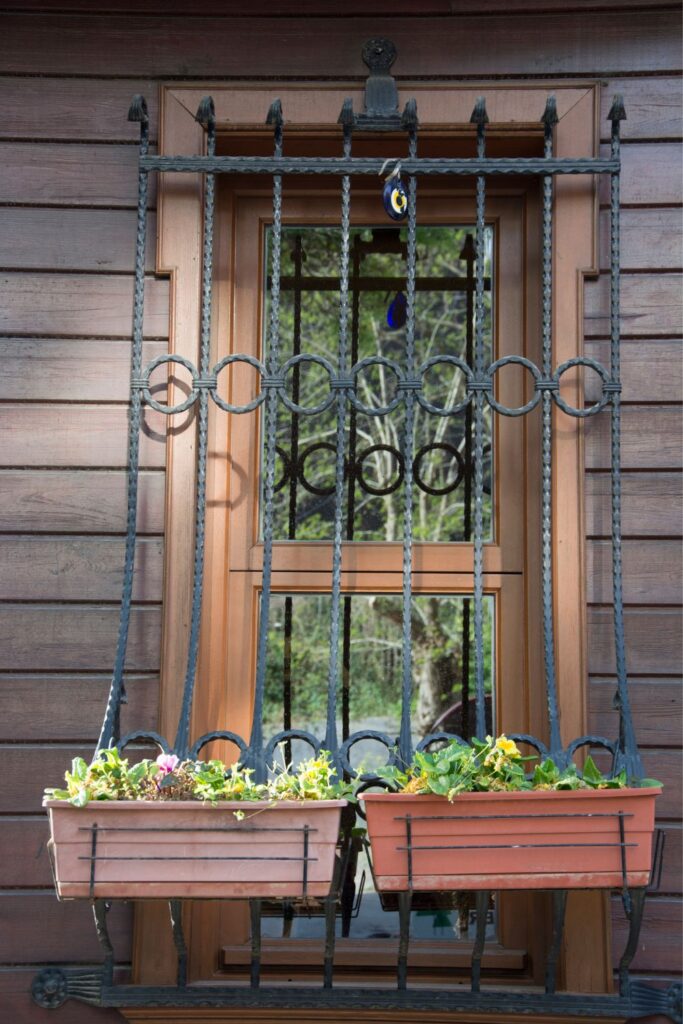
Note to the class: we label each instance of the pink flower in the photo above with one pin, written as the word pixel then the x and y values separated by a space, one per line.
pixel 167 763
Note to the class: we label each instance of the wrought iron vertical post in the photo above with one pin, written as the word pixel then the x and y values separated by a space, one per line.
pixel 480 118
pixel 411 384
pixel 110 724
pixel 628 756
pixel 467 253
pixel 344 382
pixel 270 383
pixel 549 120
pixel 205 116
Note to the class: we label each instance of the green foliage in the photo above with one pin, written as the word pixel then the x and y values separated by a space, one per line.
pixel 111 777
pixel 493 765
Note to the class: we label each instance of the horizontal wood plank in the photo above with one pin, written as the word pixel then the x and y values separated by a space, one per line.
pixel 652 571
pixel 67 108
pixel 41 707
pixel 93 435
pixel 77 569
pixel 54 240
pixel 653 641
pixel 651 239
pixel 652 504
pixel 651 370
pixel 317 8
pixel 36 928
pixel 78 638
pixel 657 706
pixel 653 107
pixel 549 44
pixel 650 174
pixel 74 370
pixel 659 946
pixel 650 304
pixel 665 765
pixel 650 438
pixel 47 173
pixel 86 306
pixel 77 501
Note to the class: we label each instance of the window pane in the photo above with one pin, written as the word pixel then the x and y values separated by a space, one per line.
pixel 443 640
pixel 304 506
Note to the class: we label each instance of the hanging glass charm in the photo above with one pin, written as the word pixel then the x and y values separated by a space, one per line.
pixel 397 311
pixel 394 195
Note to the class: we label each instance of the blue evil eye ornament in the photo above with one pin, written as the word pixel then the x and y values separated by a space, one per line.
pixel 394 195
pixel 397 312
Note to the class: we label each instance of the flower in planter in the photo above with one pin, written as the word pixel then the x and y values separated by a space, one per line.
pixel 111 777
pixel 494 765
pixel 168 763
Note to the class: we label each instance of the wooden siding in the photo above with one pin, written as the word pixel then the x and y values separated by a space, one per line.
pixel 68 192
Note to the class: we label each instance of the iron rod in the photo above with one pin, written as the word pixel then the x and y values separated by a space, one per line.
pixel 255 753
pixel 405 743
pixel 111 724
pixel 331 739
pixel 628 756
pixel 549 120
pixel 371 166
pixel 205 116
pixel 480 118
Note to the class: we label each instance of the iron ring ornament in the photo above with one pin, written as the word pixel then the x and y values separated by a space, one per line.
pixel 348 385
pixel 294 467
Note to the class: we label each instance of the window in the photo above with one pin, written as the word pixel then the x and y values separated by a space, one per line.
pixel 231 607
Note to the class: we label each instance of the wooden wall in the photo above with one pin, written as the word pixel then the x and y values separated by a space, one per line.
pixel 67 188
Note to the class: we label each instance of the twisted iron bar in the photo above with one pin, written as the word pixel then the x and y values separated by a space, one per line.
pixel 629 757
pixel 111 723
pixel 205 116
pixel 255 757
pixel 405 743
pixel 331 740
pixel 480 119
pixel 549 120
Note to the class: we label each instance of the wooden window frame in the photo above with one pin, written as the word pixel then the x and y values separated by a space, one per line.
pixel 311 109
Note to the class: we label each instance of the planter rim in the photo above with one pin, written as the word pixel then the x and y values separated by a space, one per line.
pixel 193 805
pixel 525 794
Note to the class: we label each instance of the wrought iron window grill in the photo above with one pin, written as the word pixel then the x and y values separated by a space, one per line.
pixel 53 985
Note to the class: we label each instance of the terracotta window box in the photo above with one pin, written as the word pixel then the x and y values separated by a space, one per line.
pixel 179 849
pixel 584 839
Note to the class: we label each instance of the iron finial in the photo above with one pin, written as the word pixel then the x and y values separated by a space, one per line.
pixel 409 116
pixel 617 112
pixel 550 117
pixel 468 252
pixel 206 112
pixel 274 117
pixel 479 115
pixel 138 109
pixel 346 116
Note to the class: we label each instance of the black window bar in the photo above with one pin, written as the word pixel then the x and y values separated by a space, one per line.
pixel 53 986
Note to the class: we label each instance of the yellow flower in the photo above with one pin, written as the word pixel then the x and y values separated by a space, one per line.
pixel 508 747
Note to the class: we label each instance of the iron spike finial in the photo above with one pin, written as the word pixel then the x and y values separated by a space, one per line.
pixel 409 116
pixel 346 116
pixel 617 112
pixel 479 115
pixel 468 251
pixel 274 117
pixel 206 112
pixel 550 118
pixel 138 109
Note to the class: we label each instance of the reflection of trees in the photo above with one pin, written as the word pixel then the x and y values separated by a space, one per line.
pixel 309 323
